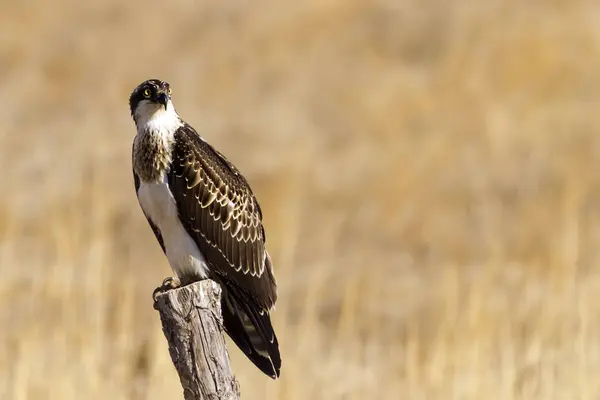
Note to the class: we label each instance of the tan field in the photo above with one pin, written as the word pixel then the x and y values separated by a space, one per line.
pixel 428 172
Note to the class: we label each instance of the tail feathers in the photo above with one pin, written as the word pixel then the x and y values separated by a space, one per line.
pixel 251 330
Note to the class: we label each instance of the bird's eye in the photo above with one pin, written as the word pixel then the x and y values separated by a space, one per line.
pixel 147 93
pixel 169 91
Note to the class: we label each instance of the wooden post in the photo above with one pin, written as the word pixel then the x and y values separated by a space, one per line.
pixel 192 323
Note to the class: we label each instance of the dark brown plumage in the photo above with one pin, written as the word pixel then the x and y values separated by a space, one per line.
pixel 219 211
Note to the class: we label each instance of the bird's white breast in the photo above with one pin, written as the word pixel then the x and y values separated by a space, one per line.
pixel 183 254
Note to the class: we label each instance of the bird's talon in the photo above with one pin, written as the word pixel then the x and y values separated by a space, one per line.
pixel 172 282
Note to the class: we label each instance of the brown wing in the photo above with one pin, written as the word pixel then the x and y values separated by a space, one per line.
pixel 219 211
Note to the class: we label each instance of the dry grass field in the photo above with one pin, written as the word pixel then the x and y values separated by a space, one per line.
pixel 429 172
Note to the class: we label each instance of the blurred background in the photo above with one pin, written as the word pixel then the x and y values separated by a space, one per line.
pixel 428 172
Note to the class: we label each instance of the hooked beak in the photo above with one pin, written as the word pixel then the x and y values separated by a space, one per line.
pixel 163 99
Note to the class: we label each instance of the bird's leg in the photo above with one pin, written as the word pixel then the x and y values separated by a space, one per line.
pixel 172 282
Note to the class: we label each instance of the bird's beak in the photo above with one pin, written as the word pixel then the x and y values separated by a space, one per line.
pixel 163 99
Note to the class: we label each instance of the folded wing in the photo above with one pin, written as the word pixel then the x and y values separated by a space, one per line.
pixel 219 211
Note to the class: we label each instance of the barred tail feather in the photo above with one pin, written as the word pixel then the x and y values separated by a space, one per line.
pixel 251 330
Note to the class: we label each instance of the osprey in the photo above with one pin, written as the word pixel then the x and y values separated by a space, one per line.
pixel 206 220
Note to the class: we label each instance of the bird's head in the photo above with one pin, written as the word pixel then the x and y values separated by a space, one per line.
pixel 149 98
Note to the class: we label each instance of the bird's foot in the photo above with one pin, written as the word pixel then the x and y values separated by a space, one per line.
pixel 172 282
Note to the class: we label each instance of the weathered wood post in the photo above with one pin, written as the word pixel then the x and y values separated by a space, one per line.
pixel 192 323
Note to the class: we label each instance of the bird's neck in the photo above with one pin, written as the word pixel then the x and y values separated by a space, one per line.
pixel 154 118
pixel 153 143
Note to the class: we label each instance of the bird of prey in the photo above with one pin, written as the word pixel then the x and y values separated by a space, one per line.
pixel 206 220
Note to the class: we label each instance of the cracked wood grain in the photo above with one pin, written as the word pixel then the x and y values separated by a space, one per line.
pixel 192 324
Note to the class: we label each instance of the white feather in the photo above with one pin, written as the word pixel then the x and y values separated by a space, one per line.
pixel 182 252
pixel 158 202
pixel 153 118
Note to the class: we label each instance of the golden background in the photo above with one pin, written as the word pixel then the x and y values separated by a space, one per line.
pixel 427 170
